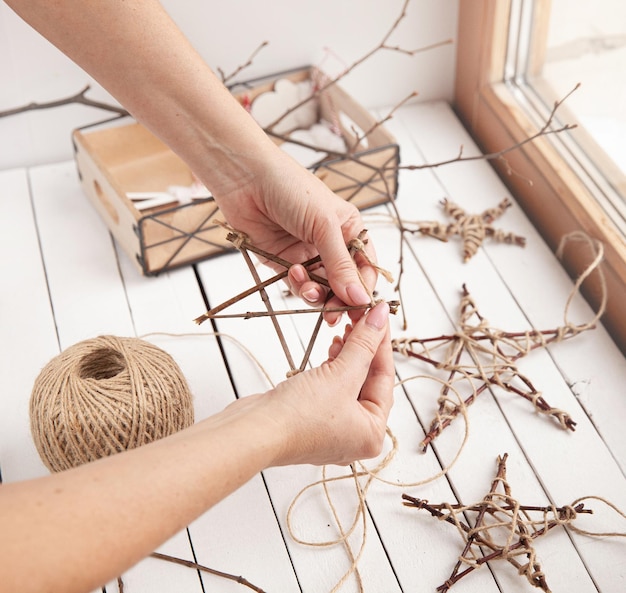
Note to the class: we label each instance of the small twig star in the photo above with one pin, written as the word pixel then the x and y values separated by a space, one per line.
pixel 502 528
pixel 472 228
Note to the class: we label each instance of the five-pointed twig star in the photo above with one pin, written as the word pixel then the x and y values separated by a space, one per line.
pixel 240 240
pixel 472 228
pixel 477 352
pixel 503 528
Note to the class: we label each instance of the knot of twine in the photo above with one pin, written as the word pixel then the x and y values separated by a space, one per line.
pixel 103 396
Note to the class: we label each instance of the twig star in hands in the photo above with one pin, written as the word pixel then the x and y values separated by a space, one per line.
pixel 242 243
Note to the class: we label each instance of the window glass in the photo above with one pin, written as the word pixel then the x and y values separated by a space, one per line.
pixel 586 43
pixel 558 44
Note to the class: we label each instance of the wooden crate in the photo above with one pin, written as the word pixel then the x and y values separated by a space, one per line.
pixel 115 160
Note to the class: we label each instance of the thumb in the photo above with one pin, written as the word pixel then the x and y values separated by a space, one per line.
pixel 363 342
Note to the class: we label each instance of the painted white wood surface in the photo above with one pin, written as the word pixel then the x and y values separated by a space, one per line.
pixel 503 282
pixel 64 280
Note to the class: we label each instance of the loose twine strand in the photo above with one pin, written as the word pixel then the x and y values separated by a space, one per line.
pixel 597 248
pixel 357 471
pixel 608 503
pixel 232 339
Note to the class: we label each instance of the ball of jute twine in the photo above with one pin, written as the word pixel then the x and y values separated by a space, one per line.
pixel 103 396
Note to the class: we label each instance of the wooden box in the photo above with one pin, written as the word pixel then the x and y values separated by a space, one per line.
pixel 117 161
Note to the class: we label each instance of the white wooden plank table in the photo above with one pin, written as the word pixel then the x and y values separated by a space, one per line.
pixel 63 279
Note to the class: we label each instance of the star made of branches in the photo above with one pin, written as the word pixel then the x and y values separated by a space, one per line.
pixel 499 527
pixel 472 228
pixel 484 356
pixel 242 243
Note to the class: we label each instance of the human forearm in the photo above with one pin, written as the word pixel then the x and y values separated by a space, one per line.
pixel 75 530
pixel 134 50
pixel 137 53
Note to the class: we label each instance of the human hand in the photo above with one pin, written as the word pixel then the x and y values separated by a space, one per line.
pixel 287 211
pixel 335 413
pixel 260 189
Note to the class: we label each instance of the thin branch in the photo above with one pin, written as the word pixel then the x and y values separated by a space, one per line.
pixel 393 308
pixel 77 98
pixel 498 155
pixel 379 123
pixel 200 567
pixel 226 78
pixel 270 309
pixel 381 46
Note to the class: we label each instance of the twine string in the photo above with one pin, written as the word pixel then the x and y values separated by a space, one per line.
pixel 103 396
pixel 359 471
pixel 597 250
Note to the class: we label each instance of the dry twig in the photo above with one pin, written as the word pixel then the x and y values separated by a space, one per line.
pixel 382 46
pixel 79 98
pixel 545 130
pixel 238 579
pixel 226 78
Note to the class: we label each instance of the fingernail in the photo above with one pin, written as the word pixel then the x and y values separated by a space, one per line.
pixel 333 321
pixel 298 273
pixel 377 317
pixel 358 295
pixel 312 295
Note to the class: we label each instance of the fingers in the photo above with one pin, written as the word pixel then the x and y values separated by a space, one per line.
pixel 316 295
pixel 368 359
pixel 337 344
pixel 343 276
pixel 360 351
pixel 377 391
pixel 352 280
pixel 300 284
pixel 337 412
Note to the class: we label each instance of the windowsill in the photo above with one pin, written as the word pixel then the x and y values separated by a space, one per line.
pixel 553 197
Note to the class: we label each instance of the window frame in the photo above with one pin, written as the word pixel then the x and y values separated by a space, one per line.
pixel 557 201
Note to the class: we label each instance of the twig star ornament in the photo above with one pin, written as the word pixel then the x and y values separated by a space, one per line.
pixel 477 352
pixel 245 247
pixel 499 527
pixel 486 356
pixel 472 228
